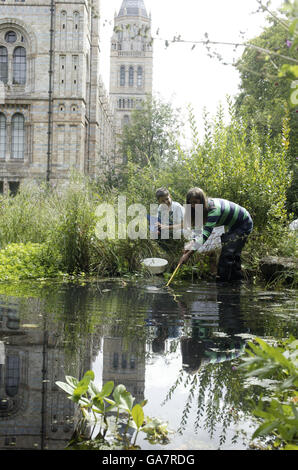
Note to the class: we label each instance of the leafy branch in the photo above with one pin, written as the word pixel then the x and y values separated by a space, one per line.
pixel 289 25
pixel 276 368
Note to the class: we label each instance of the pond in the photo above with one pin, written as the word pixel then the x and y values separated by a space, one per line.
pixel 178 348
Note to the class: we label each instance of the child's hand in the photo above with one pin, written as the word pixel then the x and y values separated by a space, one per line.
pixel 161 226
pixel 188 246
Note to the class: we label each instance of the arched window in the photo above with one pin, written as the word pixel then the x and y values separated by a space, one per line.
pixel 76 19
pixel 3 64
pixel 2 135
pixel 63 20
pixel 17 136
pixel 10 37
pixel 19 66
pixel 131 74
pixel 140 76
pixel 122 75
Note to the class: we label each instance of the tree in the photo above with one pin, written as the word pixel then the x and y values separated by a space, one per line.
pixel 265 90
pixel 264 93
pixel 151 136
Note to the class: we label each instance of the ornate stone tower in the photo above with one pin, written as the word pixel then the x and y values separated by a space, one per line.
pixel 131 60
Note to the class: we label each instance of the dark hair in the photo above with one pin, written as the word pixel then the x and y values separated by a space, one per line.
pixel 161 192
pixel 200 196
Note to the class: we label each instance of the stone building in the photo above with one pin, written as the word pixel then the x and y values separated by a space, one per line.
pixel 131 63
pixel 55 114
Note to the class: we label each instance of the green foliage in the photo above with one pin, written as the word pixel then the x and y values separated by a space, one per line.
pixel 61 222
pixel 94 402
pixel 120 257
pixel 25 217
pixel 276 368
pixel 151 136
pixel 73 227
pixel 62 219
pixel 30 260
pixel 266 90
pixel 233 161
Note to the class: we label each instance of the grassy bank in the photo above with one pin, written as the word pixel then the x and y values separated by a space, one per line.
pixel 52 234
pixel 48 232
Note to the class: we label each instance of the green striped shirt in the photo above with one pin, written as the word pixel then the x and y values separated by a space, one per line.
pixel 223 212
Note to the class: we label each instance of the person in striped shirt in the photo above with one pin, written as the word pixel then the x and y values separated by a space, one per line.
pixel 238 225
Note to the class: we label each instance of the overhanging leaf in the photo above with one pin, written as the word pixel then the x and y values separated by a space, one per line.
pixel 265 429
pixel 66 387
pixel 117 392
pixel 107 389
pixel 138 415
pixel 126 401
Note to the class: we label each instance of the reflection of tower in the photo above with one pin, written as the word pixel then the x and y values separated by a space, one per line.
pixel 124 363
pixel 164 322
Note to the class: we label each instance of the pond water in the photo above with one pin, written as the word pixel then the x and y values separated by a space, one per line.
pixel 178 348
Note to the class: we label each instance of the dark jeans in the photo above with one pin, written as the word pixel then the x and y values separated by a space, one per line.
pixel 229 264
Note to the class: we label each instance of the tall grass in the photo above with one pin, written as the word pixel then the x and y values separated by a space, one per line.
pixel 63 219
pixel 230 162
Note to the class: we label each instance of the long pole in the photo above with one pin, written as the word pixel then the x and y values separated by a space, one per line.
pixel 173 275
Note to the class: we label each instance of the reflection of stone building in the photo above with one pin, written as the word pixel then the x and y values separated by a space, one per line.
pixel 124 363
pixel 34 413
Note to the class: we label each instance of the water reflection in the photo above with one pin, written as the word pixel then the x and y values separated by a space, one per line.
pixel 159 343
pixel 216 321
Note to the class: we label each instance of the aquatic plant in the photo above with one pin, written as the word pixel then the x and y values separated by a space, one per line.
pixel 113 410
pixel 275 369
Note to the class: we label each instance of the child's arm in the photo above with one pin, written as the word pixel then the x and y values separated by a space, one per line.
pixel 185 257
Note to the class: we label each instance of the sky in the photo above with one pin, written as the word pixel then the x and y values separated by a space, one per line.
pixel 181 75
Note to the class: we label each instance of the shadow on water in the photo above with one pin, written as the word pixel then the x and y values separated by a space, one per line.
pixel 177 347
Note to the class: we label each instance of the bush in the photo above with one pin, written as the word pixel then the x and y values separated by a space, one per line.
pixel 30 260
pixel 276 369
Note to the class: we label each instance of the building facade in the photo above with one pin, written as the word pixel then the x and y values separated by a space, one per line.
pixel 131 64
pixel 55 114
